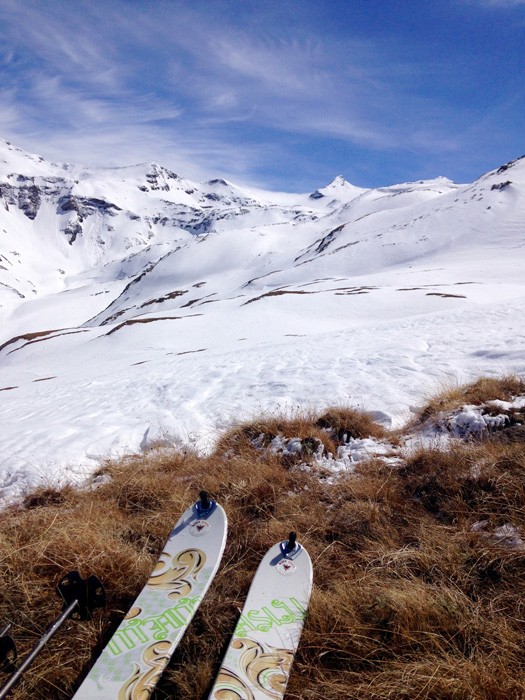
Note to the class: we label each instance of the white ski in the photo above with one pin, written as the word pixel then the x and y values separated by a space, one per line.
pixel 258 660
pixel 134 658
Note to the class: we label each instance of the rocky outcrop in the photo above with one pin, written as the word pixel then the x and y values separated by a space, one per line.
pixel 158 178
pixel 85 207
pixel 27 193
pixel 72 231
pixel 508 165
pixel 29 200
pixel 26 197
pixel 501 185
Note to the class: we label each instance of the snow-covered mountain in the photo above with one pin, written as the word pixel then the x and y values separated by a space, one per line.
pixel 138 306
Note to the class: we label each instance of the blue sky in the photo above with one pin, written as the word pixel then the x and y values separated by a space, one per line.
pixel 282 94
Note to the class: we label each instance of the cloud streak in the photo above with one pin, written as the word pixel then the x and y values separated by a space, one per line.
pixel 211 93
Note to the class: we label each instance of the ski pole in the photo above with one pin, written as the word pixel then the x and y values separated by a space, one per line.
pixel 80 596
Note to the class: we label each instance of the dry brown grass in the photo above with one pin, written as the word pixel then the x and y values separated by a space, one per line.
pixel 332 428
pixel 345 423
pixel 245 440
pixel 409 601
pixel 476 393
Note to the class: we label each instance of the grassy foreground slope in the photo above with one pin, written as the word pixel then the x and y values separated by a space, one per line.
pixel 419 561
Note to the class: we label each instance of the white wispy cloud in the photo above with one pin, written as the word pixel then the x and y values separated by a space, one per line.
pixel 279 66
pixel 9 113
pixel 62 45
pixel 186 85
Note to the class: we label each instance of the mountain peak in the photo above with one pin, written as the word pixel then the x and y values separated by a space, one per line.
pixel 338 188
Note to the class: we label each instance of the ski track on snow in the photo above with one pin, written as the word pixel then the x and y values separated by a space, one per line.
pixel 187 400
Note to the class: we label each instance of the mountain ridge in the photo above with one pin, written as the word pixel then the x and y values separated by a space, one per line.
pixel 141 305
pixel 89 204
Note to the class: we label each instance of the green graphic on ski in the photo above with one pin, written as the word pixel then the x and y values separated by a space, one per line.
pixel 133 660
pixel 258 660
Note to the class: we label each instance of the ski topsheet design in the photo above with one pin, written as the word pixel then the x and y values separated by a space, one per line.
pixel 134 658
pixel 258 660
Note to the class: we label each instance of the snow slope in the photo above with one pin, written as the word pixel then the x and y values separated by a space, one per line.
pixel 138 307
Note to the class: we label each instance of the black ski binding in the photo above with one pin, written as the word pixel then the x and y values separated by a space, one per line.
pixel 290 548
pixel 205 505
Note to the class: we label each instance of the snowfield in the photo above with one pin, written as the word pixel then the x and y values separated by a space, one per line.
pixel 138 308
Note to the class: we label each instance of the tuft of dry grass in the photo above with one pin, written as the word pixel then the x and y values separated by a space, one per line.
pixel 345 423
pixel 248 438
pixel 416 595
pixel 317 434
pixel 477 393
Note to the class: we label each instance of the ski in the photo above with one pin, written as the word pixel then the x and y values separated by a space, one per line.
pixel 136 655
pixel 258 660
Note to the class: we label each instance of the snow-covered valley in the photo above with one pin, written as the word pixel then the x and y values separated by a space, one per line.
pixel 138 307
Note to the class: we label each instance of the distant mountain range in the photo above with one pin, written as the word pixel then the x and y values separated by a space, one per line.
pixel 137 233
pixel 88 254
